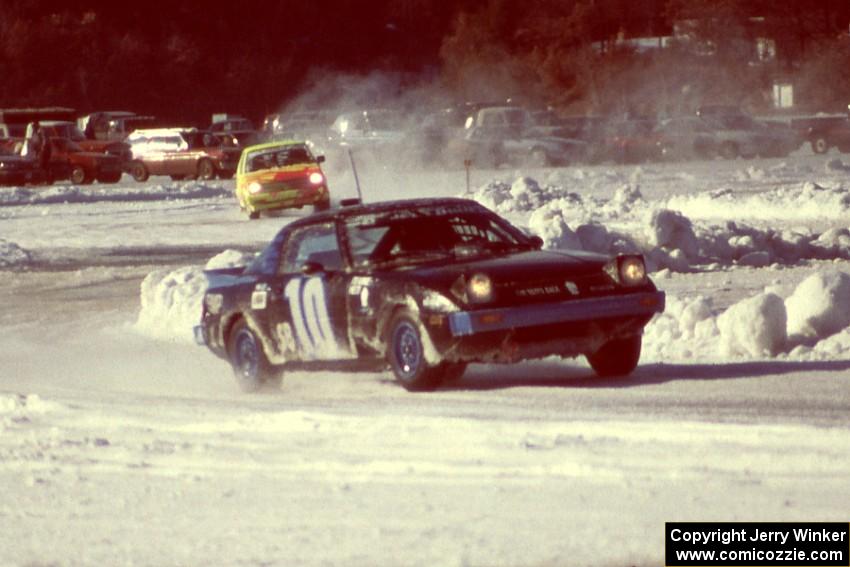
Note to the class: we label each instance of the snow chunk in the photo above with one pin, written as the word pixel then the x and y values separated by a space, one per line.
pixel 754 327
pixel 672 230
pixel 819 307
pixel 12 255
pixel 549 224
pixel 171 300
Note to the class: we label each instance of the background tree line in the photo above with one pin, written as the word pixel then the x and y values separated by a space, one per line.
pixel 185 60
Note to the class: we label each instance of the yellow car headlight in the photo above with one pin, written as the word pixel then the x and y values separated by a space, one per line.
pixel 316 178
pixel 255 187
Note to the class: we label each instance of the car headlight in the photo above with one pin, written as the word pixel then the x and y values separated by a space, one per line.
pixel 255 187
pixel 627 270
pixel 480 288
pixel 316 178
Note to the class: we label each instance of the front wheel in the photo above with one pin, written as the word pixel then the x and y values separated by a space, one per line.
pixel 139 171
pixel 206 170
pixel 617 357
pixel 250 366
pixel 406 355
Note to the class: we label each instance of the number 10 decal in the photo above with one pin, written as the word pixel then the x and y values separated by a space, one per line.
pixel 310 318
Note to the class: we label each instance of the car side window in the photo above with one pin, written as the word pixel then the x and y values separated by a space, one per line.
pixel 315 243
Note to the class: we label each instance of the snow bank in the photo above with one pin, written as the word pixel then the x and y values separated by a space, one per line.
pixel 819 307
pixel 799 201
pixel 665 233
pixel 754 327
pixel 21 409
pixel 171 299
pixel 12 255
pixel 104 193
pixel 812 323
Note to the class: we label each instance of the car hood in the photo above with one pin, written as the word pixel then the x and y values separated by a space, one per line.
pixel 524 277
pixel 519 265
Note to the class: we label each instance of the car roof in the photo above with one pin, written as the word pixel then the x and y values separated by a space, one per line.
pixel 161 131
pixel 275 144
pixel 383 207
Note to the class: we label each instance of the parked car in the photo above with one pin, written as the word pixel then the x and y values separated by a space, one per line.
pixel 685 137
pixel 68 160
pixel 426 287
pixel 280 175
pixel 494 146
pixel 69 131
pixel 240 128
pixel 182 153
pixel 825 132
pixel 113 125
pixel 18 170
pixel 741 135
pixel 627 141
pixel 369 129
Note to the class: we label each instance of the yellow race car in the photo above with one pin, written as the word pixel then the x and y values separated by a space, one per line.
pixel 280 175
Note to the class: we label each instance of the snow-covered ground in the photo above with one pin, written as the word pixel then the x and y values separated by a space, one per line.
pixel 123 443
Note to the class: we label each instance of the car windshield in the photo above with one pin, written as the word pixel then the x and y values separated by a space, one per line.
pixel 423 234
pixel 279 157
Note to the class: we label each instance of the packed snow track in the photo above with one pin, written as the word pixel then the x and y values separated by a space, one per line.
pixel 121 442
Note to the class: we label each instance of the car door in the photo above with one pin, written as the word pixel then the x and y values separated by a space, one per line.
pixel 311 318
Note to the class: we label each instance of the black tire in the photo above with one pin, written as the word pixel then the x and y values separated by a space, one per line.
pixel 139 171
pixel 253 215
pixel 248 359
pixel 819 144
pixel 618 357
pixel 109 178
pixel 728 150
pixel 453 370
pixel 78 175
pixel 206 170
pixel 406 355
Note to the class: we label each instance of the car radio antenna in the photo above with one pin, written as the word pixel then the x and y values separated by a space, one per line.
pixel 356 179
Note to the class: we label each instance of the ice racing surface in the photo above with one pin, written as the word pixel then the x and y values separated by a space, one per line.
pixel 121 442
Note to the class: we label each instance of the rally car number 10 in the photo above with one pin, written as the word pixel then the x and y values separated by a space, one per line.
pixel 425 287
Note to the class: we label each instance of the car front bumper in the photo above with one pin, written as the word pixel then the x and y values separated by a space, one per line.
pixel 468 323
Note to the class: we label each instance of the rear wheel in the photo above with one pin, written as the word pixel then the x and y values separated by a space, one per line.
pixel 139 171
pixel 78 175
pixel 253 215
pixel 819 145
pixel 406 355
pixel 618 357
pixel 250 366
pixel 206 170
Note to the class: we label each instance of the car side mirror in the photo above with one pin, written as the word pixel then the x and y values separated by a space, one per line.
pixel 320 159
pixel 537 242
pixel 310 268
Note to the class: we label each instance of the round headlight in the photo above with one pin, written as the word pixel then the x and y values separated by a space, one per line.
pixel 255 187
pixel 316 178
pixel 480 287
pixel 632 271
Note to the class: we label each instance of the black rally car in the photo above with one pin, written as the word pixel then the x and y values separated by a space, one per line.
pixel 426 286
